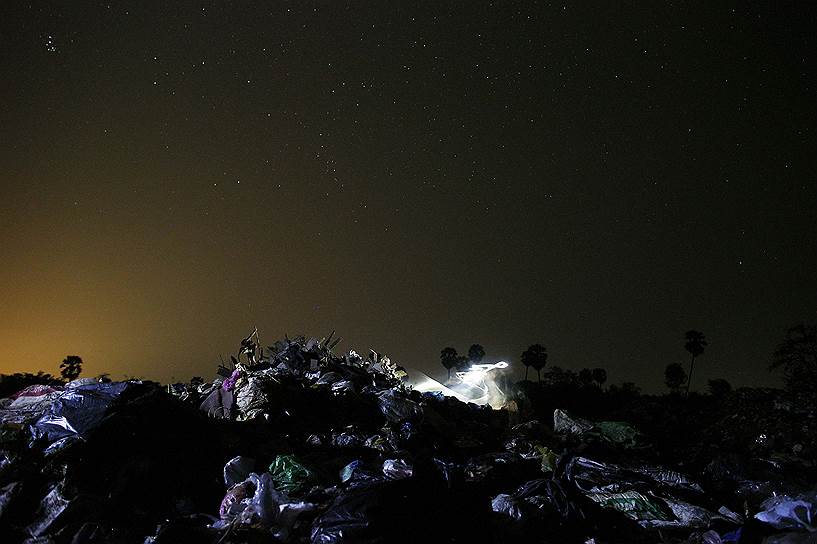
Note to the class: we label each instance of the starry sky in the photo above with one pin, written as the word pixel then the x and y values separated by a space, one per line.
pixel 595 177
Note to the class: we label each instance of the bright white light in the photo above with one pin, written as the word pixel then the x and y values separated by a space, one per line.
pixel 477 379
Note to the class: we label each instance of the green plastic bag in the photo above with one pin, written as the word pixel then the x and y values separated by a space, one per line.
pixel 632 504
pixel 289 474
pixel 618 432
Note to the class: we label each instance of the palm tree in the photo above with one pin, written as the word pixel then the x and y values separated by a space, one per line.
pixel 695 344
pixel 71 367
pixel 535 356
pixel 449 359
pixel 475 354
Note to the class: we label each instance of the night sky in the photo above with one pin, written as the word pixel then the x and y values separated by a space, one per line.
pixel 598 179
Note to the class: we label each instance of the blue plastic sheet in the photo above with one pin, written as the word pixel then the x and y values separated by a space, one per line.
pixel 77 411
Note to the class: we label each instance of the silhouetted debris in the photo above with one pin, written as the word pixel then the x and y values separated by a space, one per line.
pixel 293 443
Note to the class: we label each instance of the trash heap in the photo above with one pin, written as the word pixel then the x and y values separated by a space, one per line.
pixel 297 444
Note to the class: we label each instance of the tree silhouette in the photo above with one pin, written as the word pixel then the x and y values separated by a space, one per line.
pixel 535 356
pixel 475 354
pixel 71 367
pixel 695 344
pixel 599 376
pixel 797 356
pixel 462 363
pixel 585 377
pixel 675 376
pixel 449 358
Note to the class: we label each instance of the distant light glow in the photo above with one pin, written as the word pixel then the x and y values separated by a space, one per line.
pixel 477 384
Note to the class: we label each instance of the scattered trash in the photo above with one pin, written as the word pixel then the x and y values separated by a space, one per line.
pixel 356 454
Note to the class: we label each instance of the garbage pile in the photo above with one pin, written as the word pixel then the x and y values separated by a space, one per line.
pixel 296 444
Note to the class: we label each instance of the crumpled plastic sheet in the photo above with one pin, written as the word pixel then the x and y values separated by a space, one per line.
pixel 7 495
pixel 289 474
pixel 218 404
pixel 36 390
pixel 342 387
pixel 26 409
pixel 250 399
pixel 566 423
pixel 687 515
pixel 328 378
pixel 61 445
pixel 536 498
pixel 256 502
pixel 670 478
pixel 237 470
pixel 632 504
pixel 617 432
pixel 348 438
pixel 77 410
pixel 356 474
pixel 348 517
pixel 785 512
pixel 288 515
pixel 253 501
pixel 51 507
pixel 377 442
pixel 397 408
pixel 397 469
pixel 347 472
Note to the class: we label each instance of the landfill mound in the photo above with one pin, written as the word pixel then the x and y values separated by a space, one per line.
pixel 297 444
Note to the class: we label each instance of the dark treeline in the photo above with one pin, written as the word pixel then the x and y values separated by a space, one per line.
pixel 795 356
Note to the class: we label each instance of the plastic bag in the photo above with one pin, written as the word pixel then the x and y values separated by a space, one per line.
pixel 784 512
pixel 252 502
pixel 396 408
pixel 289 474
pixel 237 470
pixel 397 469
pixel 632 504
pixel 78 410
pixel 250 399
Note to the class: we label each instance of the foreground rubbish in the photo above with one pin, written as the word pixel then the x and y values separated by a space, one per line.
pixel 294 443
